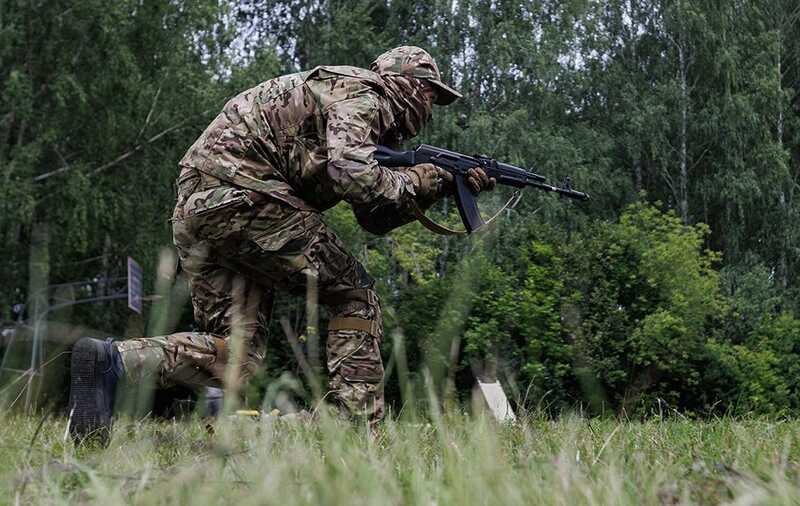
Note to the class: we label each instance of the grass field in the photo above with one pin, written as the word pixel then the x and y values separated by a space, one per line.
pixel 456 460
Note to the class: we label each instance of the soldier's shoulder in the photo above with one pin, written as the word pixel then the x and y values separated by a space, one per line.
pixel 348 81
pixel 360 108
pixel 326 71
pixel 347 88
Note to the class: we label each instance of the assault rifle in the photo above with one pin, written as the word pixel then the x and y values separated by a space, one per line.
pixel 458 165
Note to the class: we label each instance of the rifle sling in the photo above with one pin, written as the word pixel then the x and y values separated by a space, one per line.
pixel 432 225
pixel 442 230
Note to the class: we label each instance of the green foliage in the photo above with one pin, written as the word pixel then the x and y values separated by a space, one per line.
pixel 516 320
pixel 780 336
pixel 753 378
pixel 677 283
pixel 100 101
pixel 649 293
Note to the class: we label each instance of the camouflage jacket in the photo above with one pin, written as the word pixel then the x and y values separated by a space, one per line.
pixel 308 139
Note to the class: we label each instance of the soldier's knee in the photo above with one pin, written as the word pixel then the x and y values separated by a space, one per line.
pixel 354 337
pixel 354 358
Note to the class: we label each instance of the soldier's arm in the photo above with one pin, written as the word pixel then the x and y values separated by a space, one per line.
pixel 353 129
pixel 384 218
pixel 380 197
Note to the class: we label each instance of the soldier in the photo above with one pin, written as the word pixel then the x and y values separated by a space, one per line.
pixel 248 220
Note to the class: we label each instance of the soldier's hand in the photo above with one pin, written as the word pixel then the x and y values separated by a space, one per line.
pixel 478 180
pixel 430 181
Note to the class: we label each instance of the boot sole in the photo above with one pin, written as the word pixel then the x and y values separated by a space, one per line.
pixel 89 420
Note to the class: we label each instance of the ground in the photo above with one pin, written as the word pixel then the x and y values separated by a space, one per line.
pixel 457 459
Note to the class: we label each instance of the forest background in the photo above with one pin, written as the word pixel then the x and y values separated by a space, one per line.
pixel 675 287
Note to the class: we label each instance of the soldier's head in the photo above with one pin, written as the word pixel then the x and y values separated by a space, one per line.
pixel 413 61
pixel 414 84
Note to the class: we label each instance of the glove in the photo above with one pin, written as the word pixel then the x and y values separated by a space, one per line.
pixel 478 181
pixel 431 182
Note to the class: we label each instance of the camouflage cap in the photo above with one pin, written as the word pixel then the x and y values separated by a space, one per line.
pixel 415 62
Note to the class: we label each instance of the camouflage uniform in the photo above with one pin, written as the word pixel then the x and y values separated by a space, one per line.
pixel 248 220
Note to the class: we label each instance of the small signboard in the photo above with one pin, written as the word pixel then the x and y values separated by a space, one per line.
pixel 134 286
pixel 497 401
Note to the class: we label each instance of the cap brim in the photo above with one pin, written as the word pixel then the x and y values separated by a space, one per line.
pixel 444 94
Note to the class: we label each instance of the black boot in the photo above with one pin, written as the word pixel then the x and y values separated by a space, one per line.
pixel 96 368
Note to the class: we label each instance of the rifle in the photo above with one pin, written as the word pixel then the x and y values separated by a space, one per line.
pixel 458 165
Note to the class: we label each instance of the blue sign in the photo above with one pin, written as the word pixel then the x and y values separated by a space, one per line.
pixel 134 286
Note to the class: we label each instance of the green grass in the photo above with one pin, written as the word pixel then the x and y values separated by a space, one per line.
pixel 457 460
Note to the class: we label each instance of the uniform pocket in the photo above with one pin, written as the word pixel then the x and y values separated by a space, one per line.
pixel 362 372
pixel 215 200
pixel 283 228
pixel 364 365
pixel 276 241
pixel 361 364
pixel 217 215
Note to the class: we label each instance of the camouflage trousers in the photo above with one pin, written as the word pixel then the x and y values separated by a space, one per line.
pixel 236 247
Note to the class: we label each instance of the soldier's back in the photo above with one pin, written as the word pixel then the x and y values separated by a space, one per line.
pixel 276 131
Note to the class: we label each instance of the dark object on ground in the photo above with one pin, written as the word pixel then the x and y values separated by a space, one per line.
pixel 211 406
pixel 96 369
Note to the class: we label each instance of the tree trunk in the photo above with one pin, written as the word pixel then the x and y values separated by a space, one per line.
pixel 637 174
pixel 683 181
pixel 785 207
